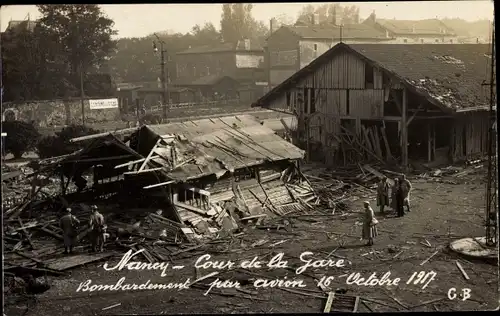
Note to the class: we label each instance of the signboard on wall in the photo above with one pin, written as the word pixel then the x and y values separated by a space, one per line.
pixel 103 104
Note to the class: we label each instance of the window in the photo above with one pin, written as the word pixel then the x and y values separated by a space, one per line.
pixel 422 40
pixel 312 105
pixel 288 97
pixel 451 41
pixel 315 47
pixel 368 76
pixel 347 105
pixel 437 41
pixel 405 40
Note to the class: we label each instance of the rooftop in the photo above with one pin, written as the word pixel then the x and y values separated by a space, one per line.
pixel 448 75
pixel 223 47
pixel 218 145
pixel 333 31
pixel 428 26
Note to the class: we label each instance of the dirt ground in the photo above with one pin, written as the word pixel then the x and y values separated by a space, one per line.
pixel 440 212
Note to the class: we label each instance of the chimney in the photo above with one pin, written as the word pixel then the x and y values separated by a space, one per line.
pixel 373 16
pixel 315 19
pixel 272 23
pixel 356 18
pixel 247 43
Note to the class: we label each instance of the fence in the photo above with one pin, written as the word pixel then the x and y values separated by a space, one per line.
pixel 207 104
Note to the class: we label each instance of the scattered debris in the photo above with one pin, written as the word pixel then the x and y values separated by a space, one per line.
pixel 462 270
pixel 112 306
pixel 433 254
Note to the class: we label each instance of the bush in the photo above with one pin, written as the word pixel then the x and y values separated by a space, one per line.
pixel 58 145
pixel 21 137
pixel 150 119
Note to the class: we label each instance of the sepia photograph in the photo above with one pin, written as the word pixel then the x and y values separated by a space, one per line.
pixel 220 158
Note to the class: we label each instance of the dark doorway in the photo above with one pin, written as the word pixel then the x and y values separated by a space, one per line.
pixel 417 140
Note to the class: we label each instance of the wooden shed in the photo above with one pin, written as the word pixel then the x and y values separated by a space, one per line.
pixel 390 102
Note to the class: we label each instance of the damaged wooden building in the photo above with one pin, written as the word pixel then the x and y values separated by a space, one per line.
pixel 425 103
pixel 206 175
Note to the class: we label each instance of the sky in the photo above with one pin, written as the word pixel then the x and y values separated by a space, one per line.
pixel 137 20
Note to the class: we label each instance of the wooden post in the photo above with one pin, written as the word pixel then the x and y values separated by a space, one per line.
pixel 404 131
pixel 433 139
pixel 429 140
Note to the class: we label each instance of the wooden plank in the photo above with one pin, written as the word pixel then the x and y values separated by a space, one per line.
pixel 150 154
pixel 386 142
pixel 423 262
pixel 130 163
pixel 158 184
pixel 404 131
pixel 329 302
pixel 356 305
pixel 376 137
pixel 87 137
pixel 26 234
pixel 462 270
pixel 65 263
pixel 197 190
pixel 429 142
pixel 191 208
pixel 367 138
pixel 143 171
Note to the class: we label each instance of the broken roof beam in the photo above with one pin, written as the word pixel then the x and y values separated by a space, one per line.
pixel 159 184
pixel 143 171
pixel 197 190
pixel 133 162
pixel 87 137
pixel 150 154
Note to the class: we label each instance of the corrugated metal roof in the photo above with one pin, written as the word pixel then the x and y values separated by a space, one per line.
pixel 215 146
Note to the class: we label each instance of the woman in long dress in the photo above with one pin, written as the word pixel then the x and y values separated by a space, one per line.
pixel 369 224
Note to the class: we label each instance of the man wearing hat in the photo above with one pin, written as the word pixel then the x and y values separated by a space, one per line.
pixel 97 227
pixel 68 224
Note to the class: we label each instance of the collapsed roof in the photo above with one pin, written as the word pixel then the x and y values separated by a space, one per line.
pixel 450 76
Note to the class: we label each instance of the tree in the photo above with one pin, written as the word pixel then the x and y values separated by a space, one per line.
pixel 21 137
pixel 83 33
pixel 237 23
pixel 205 35
pixel 348 14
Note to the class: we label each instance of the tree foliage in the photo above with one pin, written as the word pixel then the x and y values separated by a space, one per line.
pixel 21 137
pixel 82 31
pixel 327 11
pixel 44 62
pixel 58 145
pixel 237 23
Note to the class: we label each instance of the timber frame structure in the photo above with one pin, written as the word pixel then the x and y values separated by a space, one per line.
pixel 389 103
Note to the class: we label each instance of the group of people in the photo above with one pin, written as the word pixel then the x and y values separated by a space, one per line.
pixel 400 197
pixel 69 225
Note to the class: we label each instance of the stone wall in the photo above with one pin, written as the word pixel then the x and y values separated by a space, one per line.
pixel 49 113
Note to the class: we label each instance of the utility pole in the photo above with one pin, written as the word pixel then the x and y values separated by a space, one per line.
pixel 82 93
pixel 491 181
pixel 163 75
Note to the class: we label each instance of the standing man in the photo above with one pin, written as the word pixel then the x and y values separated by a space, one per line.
pixel 394 189
pixel 97 229
pixel 406 188
pixel 68 224
pixel 383 194
pixel 398 199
